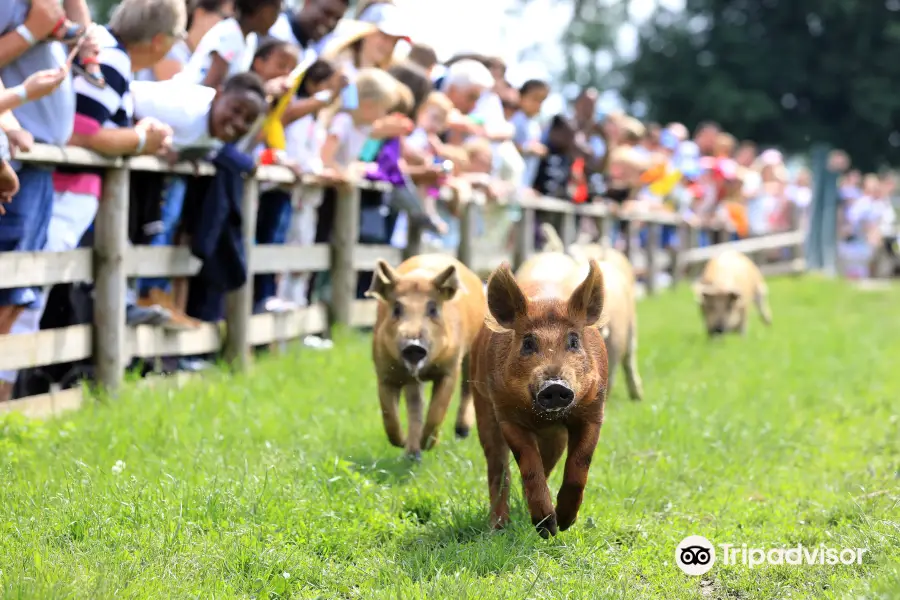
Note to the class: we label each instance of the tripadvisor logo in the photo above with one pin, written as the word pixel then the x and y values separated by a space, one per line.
pixel 695 555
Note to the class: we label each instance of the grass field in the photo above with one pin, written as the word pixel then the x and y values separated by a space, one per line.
pixel 283 484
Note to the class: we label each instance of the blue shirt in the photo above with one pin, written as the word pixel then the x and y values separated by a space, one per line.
pixel 50 119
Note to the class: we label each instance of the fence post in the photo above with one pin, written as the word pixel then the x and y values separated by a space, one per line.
pixel 684 243
pixel 465 253
pixel 111 350
pixel 344 238
pixel 627 231
pixel 413 239
pixel 607 222
pixel 653 237
pixel 525 237
pixel 239 303
pixel 569 229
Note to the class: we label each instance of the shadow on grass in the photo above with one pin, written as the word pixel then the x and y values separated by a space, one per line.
pixel 385 470
pixel 465 542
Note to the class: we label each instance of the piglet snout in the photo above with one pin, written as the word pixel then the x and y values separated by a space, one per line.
pixel 555 394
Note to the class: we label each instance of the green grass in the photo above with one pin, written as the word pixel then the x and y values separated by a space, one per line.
pixel 282 484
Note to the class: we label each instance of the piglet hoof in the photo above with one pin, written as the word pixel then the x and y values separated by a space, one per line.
pixel 565 521
pixel 462 432
pixel 414 455
pixel 430 442
pixel 546 526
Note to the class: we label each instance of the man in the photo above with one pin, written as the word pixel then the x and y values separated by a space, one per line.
pixel 24 226
pixel 705 137
pixel 310 23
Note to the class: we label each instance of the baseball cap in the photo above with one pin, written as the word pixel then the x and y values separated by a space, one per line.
pixel 388 18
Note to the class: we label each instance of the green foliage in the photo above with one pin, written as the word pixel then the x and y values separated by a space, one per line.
pixel 779 72
pixel 282 484
pixel 101 9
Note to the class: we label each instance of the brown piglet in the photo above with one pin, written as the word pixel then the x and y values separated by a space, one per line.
pixel 429 311
pixel 539 376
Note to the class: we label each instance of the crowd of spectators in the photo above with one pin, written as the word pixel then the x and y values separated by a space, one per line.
pixel 323 90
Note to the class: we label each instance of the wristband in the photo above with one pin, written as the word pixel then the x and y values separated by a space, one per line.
pixel 20 92
pixel 325 96
pixel 142 140
pixel 26 34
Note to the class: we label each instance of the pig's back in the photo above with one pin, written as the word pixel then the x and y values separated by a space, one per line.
pixel 733 270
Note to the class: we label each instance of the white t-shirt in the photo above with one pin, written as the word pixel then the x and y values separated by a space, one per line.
pixel 184 106
pixel 304 138
pixel 352 138
pixel 227 40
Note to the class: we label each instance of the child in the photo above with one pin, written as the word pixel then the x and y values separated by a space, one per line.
pixel 431 122
pixel 305 138
pixel 230 46
pixel 349 129
pixel 532 95
pixel 274 60
pixel 555 167
pixel 201 117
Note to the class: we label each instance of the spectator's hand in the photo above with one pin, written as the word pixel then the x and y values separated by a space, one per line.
pixel 332 177
pixel 44 82
pixel 394 125
pixel 278 87
pixel 9 185
pixel 90 45
pixel 436 145
pixel 43 17
pixel 536 149
pixel 159 135
pixel 338 82
pixel 20 141
pixel 430 177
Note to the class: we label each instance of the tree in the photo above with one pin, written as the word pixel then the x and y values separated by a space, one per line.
pixel 785 73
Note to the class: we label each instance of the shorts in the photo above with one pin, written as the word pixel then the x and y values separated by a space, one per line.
pixel 24 226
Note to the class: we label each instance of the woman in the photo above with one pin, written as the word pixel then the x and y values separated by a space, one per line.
pixel 202 16
pixel 356 46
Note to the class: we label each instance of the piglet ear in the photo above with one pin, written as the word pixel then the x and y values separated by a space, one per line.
pixel 447 283
pixel 383 281
pixel 586 302
pixel 506 302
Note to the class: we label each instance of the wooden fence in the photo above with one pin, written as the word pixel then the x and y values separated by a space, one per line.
pixel 112 261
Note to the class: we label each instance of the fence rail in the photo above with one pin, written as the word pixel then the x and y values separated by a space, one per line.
pixel 112 261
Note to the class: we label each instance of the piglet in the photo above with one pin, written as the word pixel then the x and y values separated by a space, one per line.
pixel 539 376
pixel 429 311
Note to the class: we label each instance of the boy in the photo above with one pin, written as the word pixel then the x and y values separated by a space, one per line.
pixel 230 46
pixel 532 95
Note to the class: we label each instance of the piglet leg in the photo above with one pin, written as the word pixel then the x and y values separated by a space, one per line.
pixel 413 393
pixel 496 452
pixel 389 397
pixel 583 439
pixel 526 451
pixel 441 395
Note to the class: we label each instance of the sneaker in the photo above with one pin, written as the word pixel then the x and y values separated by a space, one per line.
pixel 193 365
pixel 317 343
pixel 178 321
pixel 146 315
pixel 277 305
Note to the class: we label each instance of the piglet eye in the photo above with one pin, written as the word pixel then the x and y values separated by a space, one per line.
pixel 431 309
pixel 397 310
pixel 529 345
pixel 573 343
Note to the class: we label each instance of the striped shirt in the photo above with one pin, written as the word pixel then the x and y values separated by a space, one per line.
pixel 112 106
